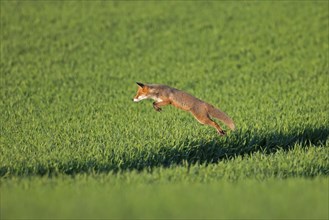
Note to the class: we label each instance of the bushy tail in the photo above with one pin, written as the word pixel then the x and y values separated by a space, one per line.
pixel 216 113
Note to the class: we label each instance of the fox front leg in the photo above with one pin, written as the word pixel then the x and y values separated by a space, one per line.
pixel 157 105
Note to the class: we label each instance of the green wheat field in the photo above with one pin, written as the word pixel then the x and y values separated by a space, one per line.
pixel 74 145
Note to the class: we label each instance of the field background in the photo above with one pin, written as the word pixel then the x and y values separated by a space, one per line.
pixel 74 145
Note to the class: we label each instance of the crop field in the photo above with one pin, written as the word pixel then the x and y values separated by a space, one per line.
pixel 74 145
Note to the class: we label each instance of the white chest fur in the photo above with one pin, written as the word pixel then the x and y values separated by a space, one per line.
pixel 157 99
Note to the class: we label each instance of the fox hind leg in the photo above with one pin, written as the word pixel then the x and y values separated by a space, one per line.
pixel 220 131
pixel 206 120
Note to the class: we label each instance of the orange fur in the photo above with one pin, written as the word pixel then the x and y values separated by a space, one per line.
pixel 165 95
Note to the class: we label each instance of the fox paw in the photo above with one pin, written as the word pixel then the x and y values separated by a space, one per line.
pixel 156 108
pixel 222 133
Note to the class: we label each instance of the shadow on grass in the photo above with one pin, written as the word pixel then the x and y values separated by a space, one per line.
pixel 235 144
pixel 187 151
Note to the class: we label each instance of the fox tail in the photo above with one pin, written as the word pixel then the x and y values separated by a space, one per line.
pixel 216 113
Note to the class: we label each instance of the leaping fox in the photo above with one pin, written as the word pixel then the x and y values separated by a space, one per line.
pixel 164 95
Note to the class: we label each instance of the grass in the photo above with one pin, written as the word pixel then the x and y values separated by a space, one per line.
pixel 101 197
pixel 67 120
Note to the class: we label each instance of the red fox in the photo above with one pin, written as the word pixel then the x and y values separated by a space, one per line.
pixel 164 95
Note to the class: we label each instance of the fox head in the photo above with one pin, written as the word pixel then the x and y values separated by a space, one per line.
pixel 143 92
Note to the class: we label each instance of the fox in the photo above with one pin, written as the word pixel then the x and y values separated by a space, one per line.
pixel 202 111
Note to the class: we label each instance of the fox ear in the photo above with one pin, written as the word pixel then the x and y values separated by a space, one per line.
pixel 140 84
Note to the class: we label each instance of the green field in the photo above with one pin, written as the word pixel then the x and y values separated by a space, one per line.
pixel 74 145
